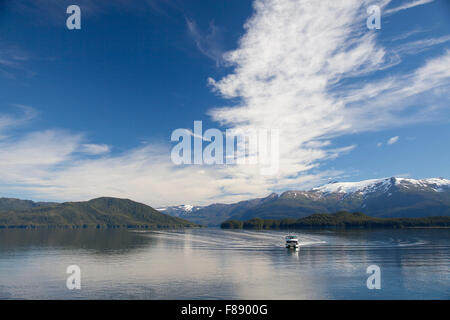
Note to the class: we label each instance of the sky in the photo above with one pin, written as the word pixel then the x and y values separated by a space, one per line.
pixel 90 112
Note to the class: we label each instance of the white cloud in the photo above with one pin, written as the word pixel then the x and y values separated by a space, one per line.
pixel 11 56
pixel 388 102
pixel 408 34
pixel 12 60
pixel 207 43
pixel 95 149
pixel 408 5
pixel 393 140
pixel 421 45
pixel 9 121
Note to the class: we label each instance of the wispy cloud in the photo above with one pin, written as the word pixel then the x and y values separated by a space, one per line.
pixel 393 140
pixel 8 121
pixel 388 102
pixel 95 149
pixel 408 5
pixel 12 60
pixel 418 46
pixel 209 42
pixel 408 34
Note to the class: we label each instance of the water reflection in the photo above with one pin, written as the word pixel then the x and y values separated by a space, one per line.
pixel 294 253
pixel 111 241
pixel 224 264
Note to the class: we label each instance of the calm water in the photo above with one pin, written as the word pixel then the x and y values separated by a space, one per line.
pixel 221 264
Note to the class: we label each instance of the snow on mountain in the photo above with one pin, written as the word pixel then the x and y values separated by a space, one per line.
pixel 437 183
pixel 180 210
pixel 187 207
pixel 352 187
pixel 383 185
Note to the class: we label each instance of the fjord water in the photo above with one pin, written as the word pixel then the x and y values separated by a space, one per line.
pixel 224 264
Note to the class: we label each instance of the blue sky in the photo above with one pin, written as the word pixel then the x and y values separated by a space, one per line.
pixel 86 113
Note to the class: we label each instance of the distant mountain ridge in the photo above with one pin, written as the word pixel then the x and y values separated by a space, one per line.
pixel 18 204
pixel 100 212
pixel 179 211
pixel 387 197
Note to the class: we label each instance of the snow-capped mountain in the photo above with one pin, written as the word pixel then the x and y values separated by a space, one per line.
pixel 383 185
pixel 179 211
pixel 386 197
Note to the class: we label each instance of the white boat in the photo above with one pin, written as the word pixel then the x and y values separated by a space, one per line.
pixel 292 242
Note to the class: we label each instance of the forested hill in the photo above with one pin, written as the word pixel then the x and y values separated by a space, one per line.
pixel 101 212
pixel 339 219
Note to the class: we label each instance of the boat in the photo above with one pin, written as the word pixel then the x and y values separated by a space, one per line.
pixel 292 242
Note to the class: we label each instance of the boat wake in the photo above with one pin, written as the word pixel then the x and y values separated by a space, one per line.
pixel 217 239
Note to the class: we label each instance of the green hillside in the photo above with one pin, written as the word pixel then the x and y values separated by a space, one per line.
pixel 338 219
pixel 7 204
pixel 100 213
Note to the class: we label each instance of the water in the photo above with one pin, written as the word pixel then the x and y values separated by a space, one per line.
pixel 224 264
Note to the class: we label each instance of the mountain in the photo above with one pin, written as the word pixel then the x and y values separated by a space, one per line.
pixel 179 211
pixel 7 204
pixel 100 212
pixel 387 197
pixel 214 214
